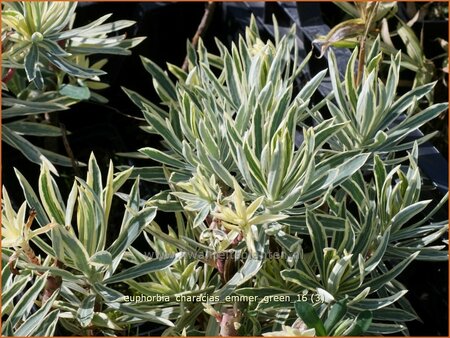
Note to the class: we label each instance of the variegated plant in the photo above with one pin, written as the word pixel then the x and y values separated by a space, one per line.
pixel 376 120
pixel 266 205
pixel 40 33
pixel 371 19
pixel 234 117
pixel 249 191
pixel 371 248
pixel 73 268
pixel 46 68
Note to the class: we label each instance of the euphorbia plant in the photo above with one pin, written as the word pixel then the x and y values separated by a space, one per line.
pixel 46 67
pixel 245 186
pixel 377 121
pixel 75 267
pixel 278 231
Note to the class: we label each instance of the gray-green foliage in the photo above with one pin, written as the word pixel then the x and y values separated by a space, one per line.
pixel 46 68
pixel 257 213
pixel 377 120
pixel 234 118
pixel 39 33
pixel 79 256
pixel 236 115
pixel 358 265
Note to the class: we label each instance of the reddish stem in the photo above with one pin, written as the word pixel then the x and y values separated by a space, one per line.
pixel 9 75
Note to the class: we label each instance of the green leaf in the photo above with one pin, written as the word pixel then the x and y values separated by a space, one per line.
pixel 58 35
pixel 338 90
pixel 131 310
pixel 407 213
pixel 131 231
pixel 288 242
pixel 110 27
pixel 144 268
pixel 66 275
pixel 75 92
pixel 319 242
pixel 133 204
pixel 403 103
pixel 161 157
pixel 350 81
pixel 72 68
pixel 150 174
pixel 163 127
pixel 100 49
pixel 108 294
pixel 101 319
pixel 165 84
pixel 178 72
pixel 121 178
pixel 71 200
pixel 379 253
pixel 47 326
pixel 33 322
pixel 232 78
pixel 53 47
pixel 378 303
pixel 51 197
pixel 32 199
pixel 361 324
pixel 31 62
pixel 94 176
pixel 73 248
pixel 309 316
pixel 311 86
pixel 337 312
pixel 143 103
pixel 34 129
pixel 366 105
pixel 221 172
pixel 59 159
pixel 301 278
pixel 417 120
pixel 101 258
pixel 26 302
pixel 381 329
pixel 23 108
pixel 394 314
pixel 8 294
pixel 25 147
pixel 85 312
pixel 87 222
pixel 337 273
pixel 378 282
pixel 248 270
pixel 7 330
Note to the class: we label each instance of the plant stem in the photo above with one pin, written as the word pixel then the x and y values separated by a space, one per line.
pixel 69 151
pixel 369 16
pixel 361 60
pixel 202 27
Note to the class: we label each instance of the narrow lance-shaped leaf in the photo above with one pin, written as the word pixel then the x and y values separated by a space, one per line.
pixel 33 322
pixel 85 312
pixel 51 197
pixel 309 316
pixel 28 150
pixel 26 302
pixel 131 231
pixel 143 269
